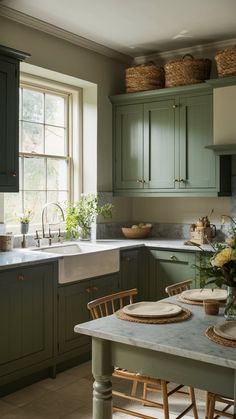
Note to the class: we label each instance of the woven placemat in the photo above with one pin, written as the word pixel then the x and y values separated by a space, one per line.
pixel 183 315
pixel 218 339
pixel 194 303
pixel 186 301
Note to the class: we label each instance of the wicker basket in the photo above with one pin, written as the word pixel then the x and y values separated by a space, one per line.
pixel 136 233
pixel 187 70
pixel 144 77
pixel 226 62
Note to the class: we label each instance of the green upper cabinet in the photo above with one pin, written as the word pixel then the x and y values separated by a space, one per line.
pixel 159 143
pixel 9 118
pixel 128 157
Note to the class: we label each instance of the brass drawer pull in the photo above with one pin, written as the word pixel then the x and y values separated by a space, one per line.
pixel 173 258
pixel 13 174
pixel 88 290
pixel 94 288
pixel 21 277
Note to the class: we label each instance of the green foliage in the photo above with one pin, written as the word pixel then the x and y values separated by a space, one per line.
pixel 83 213
pixel 26 216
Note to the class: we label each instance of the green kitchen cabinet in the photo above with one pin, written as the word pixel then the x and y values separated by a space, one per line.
pixel 167 268
pixel 27 319
pixel 129 269
pixel 128 153
pixel 159 143
pixel 72 309
pixel 9 118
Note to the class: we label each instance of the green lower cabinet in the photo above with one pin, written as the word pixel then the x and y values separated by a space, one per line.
pixel 129 269
pixel 27 319
pixel 72 309
pixel 169 267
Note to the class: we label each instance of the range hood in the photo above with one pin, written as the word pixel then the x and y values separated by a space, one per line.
pixel 223 149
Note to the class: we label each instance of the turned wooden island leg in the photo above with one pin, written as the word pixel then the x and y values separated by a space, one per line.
pixel 102 371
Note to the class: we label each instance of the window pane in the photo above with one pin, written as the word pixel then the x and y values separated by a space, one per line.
pixel 32 106
pixel 34 174
pixel 55 141
pixel 20 104
pixel 54 110
pixel 12 207
pixel 56 174
pixel 32 137
pixel 35 201
pixel 61 197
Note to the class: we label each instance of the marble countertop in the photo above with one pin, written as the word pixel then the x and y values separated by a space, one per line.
pixel 22 257
pixel 168 244
pixel 186 339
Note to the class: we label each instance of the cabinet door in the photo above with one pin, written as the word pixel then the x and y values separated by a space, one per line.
pixel 198 169
pixel 26 317
pixel 168 268
pixel 9 97
pixel 104 285
pixel 160 148
pixel 129 269
pixel 128 147
pixel 72 310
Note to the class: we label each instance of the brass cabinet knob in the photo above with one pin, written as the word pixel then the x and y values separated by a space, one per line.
pixel 13 173
pixel 182 180
pixel 88 290
pixel 21 277
pixel 175 106
pixel 176 180
pixel 94 288
pixel 139 181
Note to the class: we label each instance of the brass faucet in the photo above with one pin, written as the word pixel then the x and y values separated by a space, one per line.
pixel 49 237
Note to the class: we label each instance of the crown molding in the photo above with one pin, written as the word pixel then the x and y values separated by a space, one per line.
pixel 196 50
pixel 50 29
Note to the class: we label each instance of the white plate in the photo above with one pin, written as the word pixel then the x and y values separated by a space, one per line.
pixel 152 309
pixel 226 330
pixel 204 294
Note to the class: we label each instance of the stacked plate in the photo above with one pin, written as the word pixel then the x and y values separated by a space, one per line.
pixel 199 295
pixel 152 309
pixel 226 330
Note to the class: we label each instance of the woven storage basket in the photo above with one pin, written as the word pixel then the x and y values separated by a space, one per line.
pixel 187 70
pixel 226 62
pixel 144 77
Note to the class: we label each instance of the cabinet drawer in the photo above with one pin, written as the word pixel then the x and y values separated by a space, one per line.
pixel 172 256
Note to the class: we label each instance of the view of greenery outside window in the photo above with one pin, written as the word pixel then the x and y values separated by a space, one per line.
pixel 44 154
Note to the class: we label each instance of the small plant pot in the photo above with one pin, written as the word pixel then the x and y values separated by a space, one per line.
pixel 24 228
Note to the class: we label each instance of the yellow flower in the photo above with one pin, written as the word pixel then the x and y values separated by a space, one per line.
pixel 222 258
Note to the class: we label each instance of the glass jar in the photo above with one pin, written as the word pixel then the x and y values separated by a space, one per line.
pixel 230 308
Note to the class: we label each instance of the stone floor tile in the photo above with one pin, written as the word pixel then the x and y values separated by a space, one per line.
pixel 26 395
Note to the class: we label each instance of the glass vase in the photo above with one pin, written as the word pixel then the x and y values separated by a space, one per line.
pixel 85 233
pixel 230 308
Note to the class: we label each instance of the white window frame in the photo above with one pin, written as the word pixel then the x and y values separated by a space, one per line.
pixel 74 141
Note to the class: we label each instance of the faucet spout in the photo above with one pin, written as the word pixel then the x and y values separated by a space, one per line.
pixel 43 215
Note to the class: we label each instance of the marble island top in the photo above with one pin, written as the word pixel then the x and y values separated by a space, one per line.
pixel 186 339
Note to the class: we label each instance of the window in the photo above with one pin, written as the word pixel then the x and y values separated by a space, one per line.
pixel 45 152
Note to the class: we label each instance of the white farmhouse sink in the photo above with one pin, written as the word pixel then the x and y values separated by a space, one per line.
pixel 84 260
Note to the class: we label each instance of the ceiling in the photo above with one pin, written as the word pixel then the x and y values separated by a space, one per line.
pixel 138 27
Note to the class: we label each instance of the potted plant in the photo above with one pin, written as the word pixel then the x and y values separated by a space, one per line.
pixel 81 214
pixel 25 219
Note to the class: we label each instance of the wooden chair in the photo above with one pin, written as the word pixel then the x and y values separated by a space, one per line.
pixel 178 287
pixel 104 306
pixel 211 409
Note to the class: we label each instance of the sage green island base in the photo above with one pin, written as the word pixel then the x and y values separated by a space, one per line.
pixel 177 352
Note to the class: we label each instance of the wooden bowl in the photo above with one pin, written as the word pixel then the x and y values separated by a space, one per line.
pixel 136 233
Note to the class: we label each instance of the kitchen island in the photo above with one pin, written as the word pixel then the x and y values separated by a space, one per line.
pixel 178 352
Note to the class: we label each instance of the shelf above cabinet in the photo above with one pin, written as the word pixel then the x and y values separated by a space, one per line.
pixel 223 149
